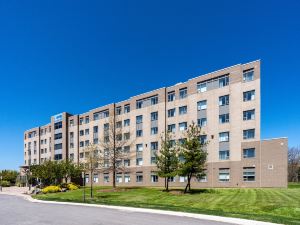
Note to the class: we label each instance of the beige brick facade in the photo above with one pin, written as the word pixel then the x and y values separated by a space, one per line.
pixel 237 157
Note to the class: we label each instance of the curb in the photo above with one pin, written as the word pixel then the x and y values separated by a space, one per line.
pixel 153 211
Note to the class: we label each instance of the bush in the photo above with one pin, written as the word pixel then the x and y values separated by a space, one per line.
pixel 5 183
pixel 72 187
pixel 51 189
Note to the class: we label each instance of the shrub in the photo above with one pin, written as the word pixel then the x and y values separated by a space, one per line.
pixel 51 189
pixel 5 183
pixel 72 187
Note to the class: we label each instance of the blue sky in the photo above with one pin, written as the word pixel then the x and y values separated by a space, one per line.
pixel 115 49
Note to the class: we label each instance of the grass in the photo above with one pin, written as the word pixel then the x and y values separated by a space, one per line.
pixel 276 205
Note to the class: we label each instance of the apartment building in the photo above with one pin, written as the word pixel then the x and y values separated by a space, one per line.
pixel 225 103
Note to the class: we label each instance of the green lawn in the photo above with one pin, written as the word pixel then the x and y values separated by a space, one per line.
pixel 265 204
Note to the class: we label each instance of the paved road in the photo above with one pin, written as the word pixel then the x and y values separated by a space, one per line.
pixel 17 211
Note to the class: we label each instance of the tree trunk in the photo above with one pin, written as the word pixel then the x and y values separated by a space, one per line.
pixel 92 180
pixel 167 185
pixel 188 185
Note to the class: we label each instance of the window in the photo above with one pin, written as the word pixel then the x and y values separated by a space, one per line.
pixel 57 146
pixel 80 121
pixel 106 178
pixel 96 178
pixel 182 126
pixel 249 153
pixel 224 137
pixel 119 124
pixel 224 174
pixel 202 87
pixel 172 128
pixel 248 75
pixel 202 105
pixel 139 177
pixel 249 134
pixel 87 142
pixel 86 131
pixel 139 161
pixel 81 132
pixel 57 125
pixel 224 100
pixel 126 122
pixel 126 136
pixel 126 149
pixel 154 100
pixel 249 114
pixel 139 133
pixel 118 110
pixel 139 104
pixel 224 81
pixel 224 118
pixel 171 112
pixel 42 141
pixel 57 136
pixel 154 130
pixel 171 96
pixel 106 126
pixel 182 93
pixel 182 179
pixel 57 157
pixel 224 154
pixel 154 178
pixel 139 147
pixel 139 119
pixel 71 123
pixel 119 178
pixel 183 110
pixel 249 95
pixel 203 139
pixel 126 178
pixel 96 116
pixel 126 108
pixel 249 173
pixel 95 141
pixel 81 144
pixel 202 122
pixel 154 116
pixel 126 162
pixel 154 145
pixel 87 119
pixel 95 129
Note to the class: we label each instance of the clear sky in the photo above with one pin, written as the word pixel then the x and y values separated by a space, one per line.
pixel 77 55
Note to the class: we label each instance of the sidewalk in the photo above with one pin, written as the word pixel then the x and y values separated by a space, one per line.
pixel 21 192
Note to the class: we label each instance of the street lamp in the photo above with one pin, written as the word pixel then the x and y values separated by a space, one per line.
pixel 83 181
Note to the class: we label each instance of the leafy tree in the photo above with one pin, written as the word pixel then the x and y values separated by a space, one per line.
pixel 193 153
pixel 167 160
pixel 294 164
pixel 9 175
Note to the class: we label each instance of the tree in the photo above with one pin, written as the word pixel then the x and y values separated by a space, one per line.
pixel 9 175
pixel 167 160
pixel 112 143
pixel 70 170
pixel 193 153
pixel 294 164
pixel 91 163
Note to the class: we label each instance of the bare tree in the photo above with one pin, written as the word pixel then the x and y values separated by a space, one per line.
pixel 92 160
pixel 113 143
pixel 294 164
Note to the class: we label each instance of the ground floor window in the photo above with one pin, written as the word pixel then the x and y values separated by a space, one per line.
pixel 106 178
pixel 154 178
pixel 182 179
pixel 139 177
pixel 126 178
pixel 87 178
pixel 171 179
pixel 119 178
pixel 224 174
pixel 96 178
pixel 249 173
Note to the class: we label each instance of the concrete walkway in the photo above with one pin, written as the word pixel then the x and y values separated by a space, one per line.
pixel 16 191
